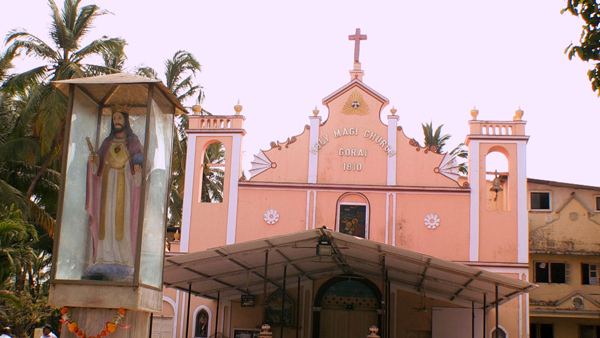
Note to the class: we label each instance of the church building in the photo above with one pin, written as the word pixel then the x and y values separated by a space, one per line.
pixel 349 225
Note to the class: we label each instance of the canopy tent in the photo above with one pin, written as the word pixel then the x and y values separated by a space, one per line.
pixel 240 268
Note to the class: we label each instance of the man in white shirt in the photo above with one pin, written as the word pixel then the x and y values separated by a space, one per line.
pixel 47 332
pixel 6 333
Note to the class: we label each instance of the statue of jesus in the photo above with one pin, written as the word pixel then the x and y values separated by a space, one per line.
pixel 113 199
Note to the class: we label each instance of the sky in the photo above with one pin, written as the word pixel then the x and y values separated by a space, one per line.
pixel 433 60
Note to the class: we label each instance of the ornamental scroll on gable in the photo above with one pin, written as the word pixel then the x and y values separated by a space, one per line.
pixel 355 105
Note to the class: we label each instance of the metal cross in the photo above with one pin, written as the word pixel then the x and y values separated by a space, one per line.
pixel 357 37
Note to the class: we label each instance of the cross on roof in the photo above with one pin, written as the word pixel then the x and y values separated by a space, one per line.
pixel 357 37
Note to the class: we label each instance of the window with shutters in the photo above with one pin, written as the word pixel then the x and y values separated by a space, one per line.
pixel 589 274
pixel 551 272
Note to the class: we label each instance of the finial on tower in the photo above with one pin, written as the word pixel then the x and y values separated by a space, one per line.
pixel 315 111
pixel 197 109
pixel 474 113
pixel 393 110
pixel 518 115
pixel 237 108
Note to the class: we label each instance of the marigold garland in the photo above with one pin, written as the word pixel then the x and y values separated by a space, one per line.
pixel 110 327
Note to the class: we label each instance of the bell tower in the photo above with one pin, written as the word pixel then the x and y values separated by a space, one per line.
pixel 213 162
pixel 498 215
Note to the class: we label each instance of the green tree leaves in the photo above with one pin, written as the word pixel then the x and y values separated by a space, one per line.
pixel 588 48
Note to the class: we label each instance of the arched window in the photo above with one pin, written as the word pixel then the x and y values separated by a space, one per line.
pixel 201 324
pixel 501 333
pixel 213 173
pixel 353 215
pixel 496 170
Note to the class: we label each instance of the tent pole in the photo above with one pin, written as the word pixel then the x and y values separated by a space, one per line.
pixel 298 310
pixel 187 322
pixel 484 314
pixel 217 315
pixel 473 319
pixel 151 319
pixel 282 317
pixel 497 313
pixel 383 299
pixel 265 288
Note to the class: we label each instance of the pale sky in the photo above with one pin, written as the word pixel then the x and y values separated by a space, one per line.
pixel 433 60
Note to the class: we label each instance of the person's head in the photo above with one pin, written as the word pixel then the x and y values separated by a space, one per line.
pixel 120 122
pixel 6 330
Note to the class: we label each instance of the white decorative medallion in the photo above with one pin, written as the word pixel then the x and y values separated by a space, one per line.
pixel 271 216
pixel 432 221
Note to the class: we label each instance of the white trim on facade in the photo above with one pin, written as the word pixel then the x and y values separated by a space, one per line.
pixel 187 198
pixel 313 158
pixel 314 213
pixel 394 221
pixel 307 207
pixel 387 217
pixel 236 146
pixel 474 212
pixel 522 214
pixel 392 139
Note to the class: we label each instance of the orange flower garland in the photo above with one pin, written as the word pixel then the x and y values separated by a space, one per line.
pixel 110 327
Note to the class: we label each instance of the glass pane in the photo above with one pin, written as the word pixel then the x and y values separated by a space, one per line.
pixel 353 220
pixel 533 330
pixel 113 194
pixel 201 324
pixel 558 274
pixel 540 200
pixel 157 175
pixel 585 274
pixel 546 331
pixel 586 331
pixel 74 252
pixel 542 272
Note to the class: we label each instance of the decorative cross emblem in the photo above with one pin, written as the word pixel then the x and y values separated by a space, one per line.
pixel 355 104
pixel 357 37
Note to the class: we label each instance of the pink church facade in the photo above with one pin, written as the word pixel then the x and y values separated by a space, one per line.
pixel 358 173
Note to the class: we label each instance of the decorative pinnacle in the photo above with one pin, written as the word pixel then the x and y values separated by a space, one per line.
pixel 315 111
pixel 197 109
pixel 237 108
pixel 474 113
pixel 393 110
pixel 518 114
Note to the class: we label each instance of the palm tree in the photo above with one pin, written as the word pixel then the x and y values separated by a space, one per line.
pixel 180 72
pixel 45 112
pixel 435 141
pixel 20 164
pixel 213 174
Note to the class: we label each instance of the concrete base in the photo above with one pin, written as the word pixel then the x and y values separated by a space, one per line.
pixel 93 321
pixel 106 297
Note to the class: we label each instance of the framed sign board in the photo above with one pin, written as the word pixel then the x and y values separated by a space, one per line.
pixel 248 300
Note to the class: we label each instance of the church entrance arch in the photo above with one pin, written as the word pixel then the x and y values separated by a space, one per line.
pixel 346 306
